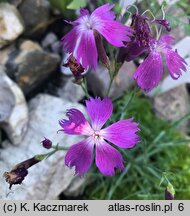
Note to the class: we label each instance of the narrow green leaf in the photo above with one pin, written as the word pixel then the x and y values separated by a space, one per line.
pixel 76 4
pixel 60 4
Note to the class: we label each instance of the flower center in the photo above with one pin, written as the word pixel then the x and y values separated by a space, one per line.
pixel 89 24
pixel 96 136
pixel 160 47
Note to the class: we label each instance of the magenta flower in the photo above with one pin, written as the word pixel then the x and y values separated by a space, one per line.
pixel 107 158
pixel 142 39
pixel 149 73
pixel 81 40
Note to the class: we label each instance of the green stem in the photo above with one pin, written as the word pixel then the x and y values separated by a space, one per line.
pixel 113 189
pixel 85 88
pixel 58 148
pixel 112 76
pixel 111 82
pixel 55 148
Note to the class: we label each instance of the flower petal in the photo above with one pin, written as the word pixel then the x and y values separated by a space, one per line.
pixel 85 50
pixel 99 111
pixel 114 32
pixel 167 40
pixel 122 133
pixel 70 39
pixel 108 158
pixel 175 63
pixel 132 51
pixel 149 73
pixel 80 156
pixel 81 43
pixel 104 12
pixel 76 124
pixel 84 12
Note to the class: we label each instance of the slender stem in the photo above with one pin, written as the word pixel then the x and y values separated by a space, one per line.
pixel 84 87
pixel 0 136
pixel 55 149
pixel 110 84
pixel 112 76
pixel 113 189
pixel 111 80
pixel 163 17
pixel 58 148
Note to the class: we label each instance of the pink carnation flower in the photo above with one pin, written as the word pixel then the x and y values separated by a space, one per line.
pixel 81 41
pixel 149 73
pixel 107 158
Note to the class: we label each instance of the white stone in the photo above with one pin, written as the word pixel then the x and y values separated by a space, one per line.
pixel 49 178
pixel 13 109
pixel 70 91
pixel 11 24
pixel 183 47
pixel 169 2
pixel 99 81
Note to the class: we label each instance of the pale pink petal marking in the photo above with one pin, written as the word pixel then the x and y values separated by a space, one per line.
pixel 99 111
pixel 149 73
pixel 80 156
pixel 122 133
pixel 76 123
pixel 85 51
pixel 108 158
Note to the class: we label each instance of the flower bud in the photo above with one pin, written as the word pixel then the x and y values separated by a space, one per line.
pixel 100 48
pixel 46 143
pixel 169 192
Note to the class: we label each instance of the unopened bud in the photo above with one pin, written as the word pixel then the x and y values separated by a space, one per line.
pixel 169 192
pixel 100 48
pixel 46 143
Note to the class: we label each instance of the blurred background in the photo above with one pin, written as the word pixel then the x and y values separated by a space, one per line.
pixel 36 90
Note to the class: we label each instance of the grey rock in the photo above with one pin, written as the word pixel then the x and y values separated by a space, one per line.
pixel 173 104
pixel 183 47
pixel 51 43
pixel 36 15
pixel 49 178
pixel 74 188
pixel 11 24
pixel 169 2
pixel 98 81
pixel 16 2
pixel 5 52
pixel 13 109
pixel 178 30
pixel 30 66
pixel 69 90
